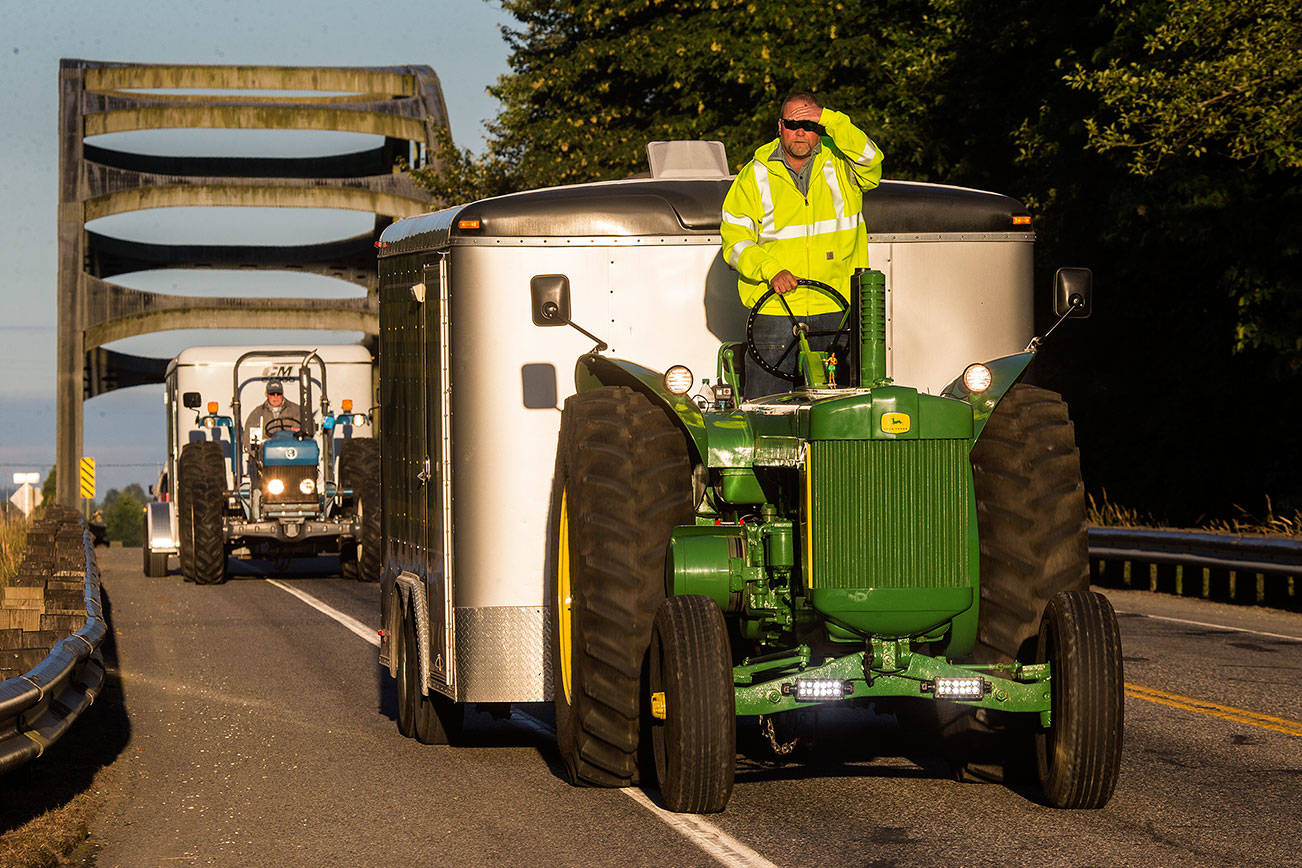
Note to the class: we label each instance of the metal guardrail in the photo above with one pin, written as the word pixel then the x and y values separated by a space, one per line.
pixel 37 707
pixel 1234 568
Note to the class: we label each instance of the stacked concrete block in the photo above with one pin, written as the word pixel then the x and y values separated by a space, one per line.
pixel 45 600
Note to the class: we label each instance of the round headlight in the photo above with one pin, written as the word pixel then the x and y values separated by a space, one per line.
pixel 678 380
pixel 976 378
pixel 359 418
pixel 307 486
pixel 275 486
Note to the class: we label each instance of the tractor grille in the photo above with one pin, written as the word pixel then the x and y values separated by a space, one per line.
pixel 291 475
pixel 888 513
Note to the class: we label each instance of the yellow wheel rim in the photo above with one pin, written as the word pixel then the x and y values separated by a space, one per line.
pixel 564 601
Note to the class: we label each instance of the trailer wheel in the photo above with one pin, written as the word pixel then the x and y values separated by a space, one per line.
pixel 408 675
pixel 695 743
pixel 155 563
pixel 439 719
pixel 201 508
pixel 623 482
pixel 1080 754
pixel 359 469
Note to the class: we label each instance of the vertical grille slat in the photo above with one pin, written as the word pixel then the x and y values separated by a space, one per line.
pixel 889 513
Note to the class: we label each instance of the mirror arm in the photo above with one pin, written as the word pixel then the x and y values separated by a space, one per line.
pixel 1077 303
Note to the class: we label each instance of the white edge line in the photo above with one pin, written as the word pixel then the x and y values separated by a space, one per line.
pixel 724 848
pixel 368 633
pixel 1213 626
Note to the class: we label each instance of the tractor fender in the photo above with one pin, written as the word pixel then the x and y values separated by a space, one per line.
pixel 592 371
pixel 1004 374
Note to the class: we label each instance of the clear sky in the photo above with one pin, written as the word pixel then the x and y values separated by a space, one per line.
pixel 459 39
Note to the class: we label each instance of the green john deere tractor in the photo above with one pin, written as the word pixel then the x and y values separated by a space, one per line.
pixel 719 558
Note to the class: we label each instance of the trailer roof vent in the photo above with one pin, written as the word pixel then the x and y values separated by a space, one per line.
pixel 688 159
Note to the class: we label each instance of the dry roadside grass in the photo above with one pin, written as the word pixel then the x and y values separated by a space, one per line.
pixel 1104 512
pixel 13 542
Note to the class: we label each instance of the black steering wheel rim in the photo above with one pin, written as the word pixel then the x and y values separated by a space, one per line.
pixel 280 424
pixel 796 326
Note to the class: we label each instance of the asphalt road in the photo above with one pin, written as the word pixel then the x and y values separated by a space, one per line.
pixel 259 731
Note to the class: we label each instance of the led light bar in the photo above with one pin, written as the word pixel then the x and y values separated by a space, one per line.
pixel 819 689
pixel 950 687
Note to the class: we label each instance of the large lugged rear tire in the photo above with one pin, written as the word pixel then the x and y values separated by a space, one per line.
pixel 201 508
pixel 696 742
pixel 1031 520
pixel 623 482
pixel 1079 756
pixel 359 469
pixel 1030 516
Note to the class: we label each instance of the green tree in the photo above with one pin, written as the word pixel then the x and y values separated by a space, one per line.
pixel 122 518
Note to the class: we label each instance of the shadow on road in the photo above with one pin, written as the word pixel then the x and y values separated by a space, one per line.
pixel 69 767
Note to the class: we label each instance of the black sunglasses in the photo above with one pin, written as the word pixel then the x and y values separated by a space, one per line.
pixel 807 126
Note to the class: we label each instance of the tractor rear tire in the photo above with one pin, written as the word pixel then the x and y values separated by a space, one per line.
pixel 1030 516
pixel 359 469
pixel 1080 754
pixel 1031 521
pixel 201 509
pixel 696 743
pixel 623 482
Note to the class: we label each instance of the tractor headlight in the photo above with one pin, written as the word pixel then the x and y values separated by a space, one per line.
pixel 977 378
pixel 678 380
pixel 275 486
pixel 950 687
pixel 358 419
pixel 817 689
pixel 307 486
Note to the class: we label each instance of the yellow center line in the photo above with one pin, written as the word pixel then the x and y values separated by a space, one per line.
pixel 1213 709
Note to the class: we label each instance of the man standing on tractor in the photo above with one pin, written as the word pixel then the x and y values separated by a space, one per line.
pixel 796 211
pixel 274 408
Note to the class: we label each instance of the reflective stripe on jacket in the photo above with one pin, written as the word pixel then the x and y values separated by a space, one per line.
pixel 768 226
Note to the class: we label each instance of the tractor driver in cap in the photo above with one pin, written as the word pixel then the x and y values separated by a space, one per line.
pixel 796 211
pixel 275 407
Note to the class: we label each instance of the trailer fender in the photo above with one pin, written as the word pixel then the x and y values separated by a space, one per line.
pixel 159 522
pixel 1004 374
pixel 592 371
pixel 411 596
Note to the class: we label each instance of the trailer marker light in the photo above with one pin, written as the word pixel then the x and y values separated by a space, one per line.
pixel 817 689
pixel 468 224
pixel 276 486
pixel 951 687
pixel 658 705
pixel 678 380
pixel 977 378
pixel 1021 219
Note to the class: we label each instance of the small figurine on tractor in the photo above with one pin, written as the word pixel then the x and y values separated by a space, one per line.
pixel 862 543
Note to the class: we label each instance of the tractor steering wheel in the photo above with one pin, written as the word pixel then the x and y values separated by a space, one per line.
pixel 281 424
pixel 797 327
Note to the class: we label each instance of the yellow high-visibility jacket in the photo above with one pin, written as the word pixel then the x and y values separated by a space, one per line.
pixel 768 227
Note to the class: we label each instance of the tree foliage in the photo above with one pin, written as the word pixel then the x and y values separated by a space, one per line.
pixel 1153 140
pixel 123 512
pixel 1189 77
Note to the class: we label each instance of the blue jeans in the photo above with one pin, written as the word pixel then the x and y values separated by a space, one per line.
pixel 773 335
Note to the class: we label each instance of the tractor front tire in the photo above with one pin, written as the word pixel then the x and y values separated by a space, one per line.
pixel 201 509
pixel 1079 755
pixel 691 679
pixel 623 482
pixel 359 469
